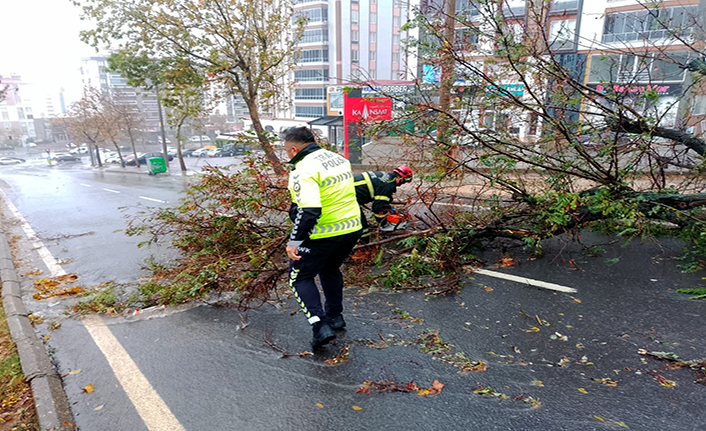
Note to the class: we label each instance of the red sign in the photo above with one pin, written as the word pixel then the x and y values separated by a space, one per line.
pixel 367 109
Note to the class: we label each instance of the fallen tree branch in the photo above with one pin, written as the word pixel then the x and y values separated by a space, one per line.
pixel 397 238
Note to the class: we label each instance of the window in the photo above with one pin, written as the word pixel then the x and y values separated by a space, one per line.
pixel 562 33
pixel 373 36
pixel 21 113
pixel 311 75
pixel 465 9
pixel 116 80
pixel 311 16
pixel 310 94
pixel 699 106
pixel 309 111
pixel 355 35
pixel 373 73
pixel 663 67
pixel 313 56
pixel 466 38
pixel 395 57
pixel 372 56
pixel 650 24
pixel 354 55
pixel 373 18
pixel 518 32
pixel 354 16
pixel 395 39
pixel 396 21
pixel 314 36
pixel 604 68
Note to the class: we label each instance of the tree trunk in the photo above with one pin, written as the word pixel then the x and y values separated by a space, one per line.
pixel 120 154
pixel 134 150
pixel 98 156
pixel 443 131
pixel 161 125
pixel 179 137
pixel 264 142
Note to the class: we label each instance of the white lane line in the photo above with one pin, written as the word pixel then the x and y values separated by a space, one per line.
pixel 111 191
pixel 85 185
pixel 44 253
pixel 149 405
pixel 152 199
pixel 529 281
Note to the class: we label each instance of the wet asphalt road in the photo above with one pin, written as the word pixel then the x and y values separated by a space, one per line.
pixel 213 376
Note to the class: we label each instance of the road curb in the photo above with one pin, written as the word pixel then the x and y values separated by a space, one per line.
pixel 49 397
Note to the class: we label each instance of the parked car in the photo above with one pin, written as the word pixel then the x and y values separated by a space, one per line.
pixel 9 161
pixel 65 158
pixel 201 138
pixel 201 152
pixel 188 153
pixel 112 158
pixel 79 150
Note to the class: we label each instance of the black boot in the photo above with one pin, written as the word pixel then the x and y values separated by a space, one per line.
pixel 322 334
pixel 336 322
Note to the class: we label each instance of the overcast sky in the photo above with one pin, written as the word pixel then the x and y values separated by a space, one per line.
pixel 39 41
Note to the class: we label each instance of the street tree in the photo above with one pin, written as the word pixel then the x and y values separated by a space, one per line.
pixel 122 121
pixel 566 140
pixel 248 47
pixel 179 85
pixel 85 120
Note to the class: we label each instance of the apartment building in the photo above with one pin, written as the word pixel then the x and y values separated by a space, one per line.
pixel 16 111
pixel 611 46
pixel 345 42
pixel 94 74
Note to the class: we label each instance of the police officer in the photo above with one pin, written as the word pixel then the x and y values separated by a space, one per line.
pixel 326 227
pixel 378 188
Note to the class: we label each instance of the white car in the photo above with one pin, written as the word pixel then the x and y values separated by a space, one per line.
pixel 9 161
pixel 201 138
pixel 79 150
pixel 112 157
pixel 201 152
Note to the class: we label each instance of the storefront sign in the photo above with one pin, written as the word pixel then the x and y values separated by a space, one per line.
pixel 367 109
pixel 638 89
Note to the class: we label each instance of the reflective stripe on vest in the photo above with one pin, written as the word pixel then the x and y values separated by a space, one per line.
pixel 366 177
pixel 336 179
pixel 336 227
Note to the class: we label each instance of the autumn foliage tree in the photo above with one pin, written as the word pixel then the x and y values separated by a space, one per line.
pixel 246 46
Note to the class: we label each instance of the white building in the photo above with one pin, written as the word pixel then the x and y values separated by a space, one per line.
pixel 16 111
pixel 94 74
pixel 344 42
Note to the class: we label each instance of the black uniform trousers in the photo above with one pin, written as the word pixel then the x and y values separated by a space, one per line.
pixel 322 257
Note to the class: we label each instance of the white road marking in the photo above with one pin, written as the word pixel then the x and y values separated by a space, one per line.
pixel 49 260
pixel 149 405
pixel 111 190
pixel 152 199
pixel 529 281
pixel 85 185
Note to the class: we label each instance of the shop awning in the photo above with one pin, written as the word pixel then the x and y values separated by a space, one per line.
pixel 328 120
